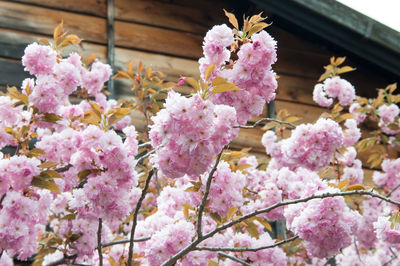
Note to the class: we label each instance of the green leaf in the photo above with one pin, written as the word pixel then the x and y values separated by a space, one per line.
pixel 39 181
pixel 252 229
pixel 232 19
pixel 210 69
pixel 52 173
pixel 48 164
pixel 257 27
pixel 83 174
pixel 345 69
pixel 228 86
pixel 70 216
pixel 347 116
pixel 35 152
pixel 231 212
pixel 216 217
pixel 51 118
pixel 212 263
pixel 192 82
pixel 264 223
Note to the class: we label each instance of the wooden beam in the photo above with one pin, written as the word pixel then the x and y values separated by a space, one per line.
pixel 111 45
pixel 142 37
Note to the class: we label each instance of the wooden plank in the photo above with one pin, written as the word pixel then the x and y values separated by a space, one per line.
pixel 295 89
pixel 12 72
pixel 93 7
pixel 189 16
pixel 158 40
pixel 43 21
pixel 17 16
pixel 186 17
pixel 308 113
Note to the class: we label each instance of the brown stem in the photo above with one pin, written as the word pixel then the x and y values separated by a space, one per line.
pixel 267 119
pixel 231 257
pixel 194 244
pixel 135 214
pixel 207 191
pixel 99 247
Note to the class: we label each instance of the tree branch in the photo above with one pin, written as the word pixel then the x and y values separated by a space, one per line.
pixel 145 144
pixel 248 249
pixel 193 245
pixel 267 119
pixel 135 214
pixel 234 258
pixel 99 248
pixel 64 168
pixel 207 191
pixel 126 241
pixel 145 156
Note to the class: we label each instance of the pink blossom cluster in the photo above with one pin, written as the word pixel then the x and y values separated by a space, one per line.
pixel 352 133
pixel 169 241
pixel 253 75
pixel 86 229
pixel 189 132
pixel 251 72
pixel 22 219
pixel 387 232
pixel 39 59
pixel 112 180
pixel 10 116
pixel 56 78
pixel 359 116
pixel 17 173
pixel 326 224
pixel 388 115
pixel 226 189
pixel 215 49
pixel 354 173
pixel 335 87
pixel 390 177
pixel 272 256
pixel 379 256
pixel 371 209
pixel 311 145
pixel 294 184
pixel 352 167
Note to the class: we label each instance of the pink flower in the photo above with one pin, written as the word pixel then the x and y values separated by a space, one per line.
pixel 326 225
pixel 188 133
pixel 385 231
pixel 388 113
pixel 334 88
pixel 39 59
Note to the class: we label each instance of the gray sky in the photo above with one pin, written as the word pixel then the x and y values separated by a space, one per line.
pixel 384 11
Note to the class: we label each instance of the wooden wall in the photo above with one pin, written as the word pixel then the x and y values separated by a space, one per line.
pixel 168 35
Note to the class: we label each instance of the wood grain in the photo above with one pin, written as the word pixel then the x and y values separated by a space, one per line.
pixel 189 16
pixel 28 18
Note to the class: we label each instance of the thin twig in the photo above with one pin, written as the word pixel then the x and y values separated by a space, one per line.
pixel 207 191
pixel 251 191
pixel 248 249
pixel 234 258
pixel 64 168
pixel 2 198
pixel 126 241
pixel 64 260
pixel 135 214
pixel 144 145
pixel 145 156
pixel 390 193
pixel 267 119
pixel 172 260
pixel 99 248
